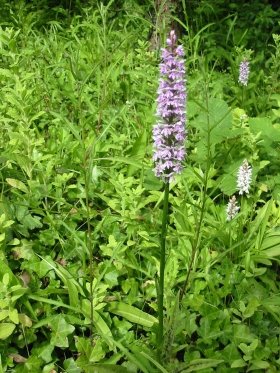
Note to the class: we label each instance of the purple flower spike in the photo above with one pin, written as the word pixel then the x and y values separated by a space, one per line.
pixel 169 133
pixel 244 72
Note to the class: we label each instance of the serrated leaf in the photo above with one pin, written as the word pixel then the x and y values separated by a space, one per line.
pixel 31 222
pixel 228 184
pixel 132 314
pixel 214 126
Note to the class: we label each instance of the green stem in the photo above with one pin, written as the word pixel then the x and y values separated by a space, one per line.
pixel 87 164
pixel 195 244
pixel 162 268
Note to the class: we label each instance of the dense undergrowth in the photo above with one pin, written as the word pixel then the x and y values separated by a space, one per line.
pixel 80 209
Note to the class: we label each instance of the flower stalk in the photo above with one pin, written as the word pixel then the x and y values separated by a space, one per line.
pixel 162 267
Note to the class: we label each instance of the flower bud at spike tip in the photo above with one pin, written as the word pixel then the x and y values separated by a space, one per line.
pixel 169 133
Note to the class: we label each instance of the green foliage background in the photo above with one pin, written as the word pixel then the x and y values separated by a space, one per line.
pixel 80 208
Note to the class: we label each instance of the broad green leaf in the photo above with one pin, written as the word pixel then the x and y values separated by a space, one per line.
pixel 249 348
pixel 259 364
pixel 132 314
pixel 90 351
pixel 13 316
pixel 228 184
pixel 6 279
pixel 72 285
pixel 142 364
pixel 4 314
pixel 238 363
pixel 151 182
pixel 31 222
pixel 60 331
pixel 99 323
pixel 242 333
pixel 5 270
pixel 25 320
pixel 6 329
pixel 271 244
pixel 71 366
pixel 157 364
pixel 251 307
pixel 272 252
pixel 260 223
pixel 214 126
pixel 32 365
pixel 44 351
pixel 201 364
pixel 269 133
pixel 131 161
pixel 137 152
pixel 17 184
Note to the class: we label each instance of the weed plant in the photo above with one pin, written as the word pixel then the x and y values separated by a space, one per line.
pixel 81 209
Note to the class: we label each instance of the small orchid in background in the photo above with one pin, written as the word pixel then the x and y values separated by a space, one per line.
pixel 244 70
pixel 244 177
pixel 169 133
pixel 232 208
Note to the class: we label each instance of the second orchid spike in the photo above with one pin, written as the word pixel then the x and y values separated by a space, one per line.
pixel 244 177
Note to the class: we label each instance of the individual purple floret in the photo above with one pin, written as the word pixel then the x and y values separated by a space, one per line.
pixel 169 133
pixel 244 72
pixel 244 177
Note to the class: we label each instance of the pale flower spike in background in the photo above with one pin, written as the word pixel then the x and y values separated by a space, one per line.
pixel 244 71
pixel 232 208
pixel 169 133
pixel 244 177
